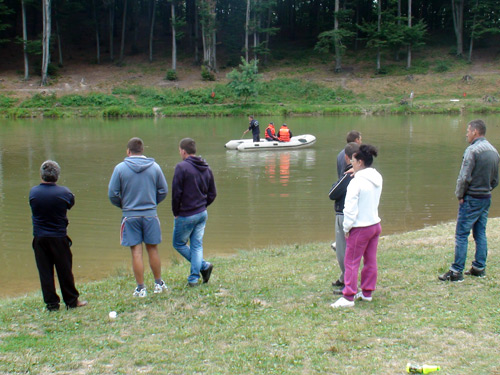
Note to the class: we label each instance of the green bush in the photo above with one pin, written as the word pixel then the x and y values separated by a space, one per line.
pixel 6 102
pixel 206 74
pixel 171 75
pixel 441 66
pixel 92 100
pixel 39 101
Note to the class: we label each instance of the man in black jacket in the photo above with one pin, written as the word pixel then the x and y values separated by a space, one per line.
pixel 49 204
pixel 193 189
pixel 337 193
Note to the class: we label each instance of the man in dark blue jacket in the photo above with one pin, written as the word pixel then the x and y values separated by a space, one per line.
pixel 49 203
pixel 337 193
pixel 193 189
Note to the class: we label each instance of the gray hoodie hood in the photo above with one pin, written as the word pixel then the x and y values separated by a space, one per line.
pixel 138 163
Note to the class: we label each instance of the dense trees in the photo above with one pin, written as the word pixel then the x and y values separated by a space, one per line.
pixel 234 28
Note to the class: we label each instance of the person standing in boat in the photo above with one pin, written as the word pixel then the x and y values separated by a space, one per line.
pixel 254 127
pixel 285 134
pixel 270 133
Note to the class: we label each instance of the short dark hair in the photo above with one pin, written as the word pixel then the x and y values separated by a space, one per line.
pixel 250 116
pixel 188 145
pixel 50 171
pixel 366 153
pixel 351 148
pixel 352 136
pixel 478 125
pixel 136 145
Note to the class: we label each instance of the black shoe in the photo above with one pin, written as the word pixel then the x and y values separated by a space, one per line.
pixel 453 276
pixel 475 272
pixel 205 274
pixel 338 284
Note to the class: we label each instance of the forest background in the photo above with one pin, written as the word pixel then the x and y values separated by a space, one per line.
pixel 325 51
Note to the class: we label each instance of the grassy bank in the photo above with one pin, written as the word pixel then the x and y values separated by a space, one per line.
pixel 267 312
pixel 278 96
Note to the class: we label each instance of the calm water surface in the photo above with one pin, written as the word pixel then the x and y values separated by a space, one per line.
pixel 264 198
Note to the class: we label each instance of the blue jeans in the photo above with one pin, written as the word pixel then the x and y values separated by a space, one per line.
pixel 191 228
pixel 472 214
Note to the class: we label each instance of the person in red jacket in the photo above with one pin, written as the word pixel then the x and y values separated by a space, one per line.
pixel 284 135
pixel 270 133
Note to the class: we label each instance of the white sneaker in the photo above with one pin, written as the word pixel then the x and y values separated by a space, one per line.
pixel 362 297
pixel 342 302
pixel 160 287
pixel 334 246
pixel 140 292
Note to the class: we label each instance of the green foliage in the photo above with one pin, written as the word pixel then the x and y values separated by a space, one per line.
pixel 297 90
pixel 441 66
pixel 4 11
pixel 245 82
pixel 6 102
pixel 39 101
pixel 92 100
pixel 206 74
pixel 171 75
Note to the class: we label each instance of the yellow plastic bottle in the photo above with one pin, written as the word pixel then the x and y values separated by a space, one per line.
pixel 421 369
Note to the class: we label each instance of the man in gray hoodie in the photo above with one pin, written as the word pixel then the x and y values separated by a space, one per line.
pixel 137 186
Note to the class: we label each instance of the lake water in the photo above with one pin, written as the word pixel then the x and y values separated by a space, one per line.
pixel 264 198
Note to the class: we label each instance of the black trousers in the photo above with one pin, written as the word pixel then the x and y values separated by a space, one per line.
pixel 55 252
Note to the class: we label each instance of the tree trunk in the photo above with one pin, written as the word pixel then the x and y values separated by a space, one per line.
pixel 247 26
pixel 209 35
pixel 457 10
pixel 124 23
pixel 111 29
pixel 174 42
pixel 97 36
pixel 151 31
pixel 196 35
pixel 396 55
pixel 472 33
pixel 338 54
pixel 59 44
pixel 25 43
pixel 379 27
pixel 408 56
pixel 268 25
pixel 47 24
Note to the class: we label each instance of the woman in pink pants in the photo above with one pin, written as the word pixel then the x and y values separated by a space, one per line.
pixel 361 227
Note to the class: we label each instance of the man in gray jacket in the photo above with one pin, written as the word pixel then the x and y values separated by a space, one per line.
pixel 477 178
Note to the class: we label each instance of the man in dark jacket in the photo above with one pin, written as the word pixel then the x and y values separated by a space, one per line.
pixel 253 125
pixel 49 204
pixel 193 189
pixel 337 193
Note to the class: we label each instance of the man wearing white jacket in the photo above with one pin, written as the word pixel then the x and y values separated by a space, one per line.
pixel 361 227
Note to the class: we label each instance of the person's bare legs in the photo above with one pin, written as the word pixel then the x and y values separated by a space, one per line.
pixel 137 263
pixel 154 260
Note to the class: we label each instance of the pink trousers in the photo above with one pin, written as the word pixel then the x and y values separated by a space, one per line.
pixel 361 243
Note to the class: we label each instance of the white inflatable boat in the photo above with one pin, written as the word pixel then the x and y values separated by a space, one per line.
pixel 299 141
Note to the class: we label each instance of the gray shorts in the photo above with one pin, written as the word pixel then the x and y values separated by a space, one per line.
pixel 138 229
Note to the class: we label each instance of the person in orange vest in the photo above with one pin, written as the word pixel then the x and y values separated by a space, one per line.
pixel 284 135
pixel 270 133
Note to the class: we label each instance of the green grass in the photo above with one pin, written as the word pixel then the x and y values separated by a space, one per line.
pixel 267 312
